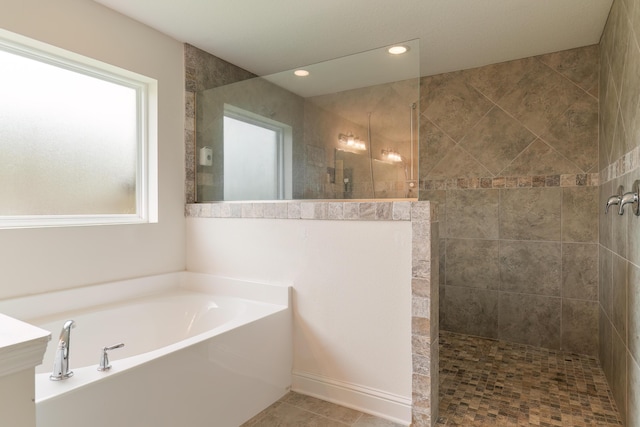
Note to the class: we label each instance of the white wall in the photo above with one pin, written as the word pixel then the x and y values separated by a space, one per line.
pixel 39 260
pixel 351 299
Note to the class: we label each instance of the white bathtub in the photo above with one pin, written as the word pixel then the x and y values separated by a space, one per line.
pixel 199 351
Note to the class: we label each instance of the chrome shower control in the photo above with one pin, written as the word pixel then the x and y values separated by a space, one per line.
pixel 104 358
pixel 630 197
pixel 614 200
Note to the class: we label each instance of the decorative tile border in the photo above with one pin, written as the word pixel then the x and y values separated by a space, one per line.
pixel 323 210
pixel 628 162
pixel 564 180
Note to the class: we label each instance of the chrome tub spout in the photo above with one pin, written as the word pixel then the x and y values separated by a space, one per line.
pixel 61 363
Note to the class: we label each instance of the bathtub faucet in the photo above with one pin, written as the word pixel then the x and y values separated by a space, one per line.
pixel 61 363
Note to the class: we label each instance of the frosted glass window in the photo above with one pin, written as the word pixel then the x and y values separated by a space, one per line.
pixel 252 166
pixel 71 138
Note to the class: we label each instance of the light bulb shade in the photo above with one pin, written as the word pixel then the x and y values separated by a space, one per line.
pixel 351 141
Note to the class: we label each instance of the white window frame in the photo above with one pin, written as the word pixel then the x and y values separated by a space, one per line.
pixel 284 134
pixel 147 151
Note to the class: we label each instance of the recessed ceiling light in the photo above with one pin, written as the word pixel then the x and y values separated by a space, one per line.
pixel 397 50
pixel 301 73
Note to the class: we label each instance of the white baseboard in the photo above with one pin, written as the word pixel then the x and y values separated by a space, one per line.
pixel 368 400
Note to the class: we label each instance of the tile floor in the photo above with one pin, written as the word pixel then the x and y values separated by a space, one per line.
pixel 494 383
pixel 297 410
pixel 483 382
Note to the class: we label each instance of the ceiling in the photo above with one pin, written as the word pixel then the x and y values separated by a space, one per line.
pixel 267 37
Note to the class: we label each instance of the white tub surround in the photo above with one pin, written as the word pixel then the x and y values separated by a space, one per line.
pixel 22 347
pixel 362 294
pixel 198 349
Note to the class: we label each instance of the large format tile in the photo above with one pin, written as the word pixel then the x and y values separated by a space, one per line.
pixel 472 214
pixel 619 374
pixel 496 80
pixel 580 214
pixel 539 158
pixel 605 273
pixel 530 213
pixel 471 311
pixel 530 319
pixel 605 340
pixel 540 97
pixel 633 397
pixel 458 163
pixel 496 140
pixel 580 326
pixel 580 271
pixel 619 296
pixel 530 267
pixel 575 134
pixel 633 311
pixel 434 146
pixel 578 65
pixel 452 104
pixel 472 263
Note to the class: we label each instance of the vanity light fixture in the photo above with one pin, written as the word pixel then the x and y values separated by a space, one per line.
pixel 351 141
pixel 391 156
pixel 301 73
pixel 397 50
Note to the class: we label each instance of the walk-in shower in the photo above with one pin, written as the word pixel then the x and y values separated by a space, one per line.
pixel 345 129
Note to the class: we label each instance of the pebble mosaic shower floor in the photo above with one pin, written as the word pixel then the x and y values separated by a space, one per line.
pixel 483 383
pixel 487 382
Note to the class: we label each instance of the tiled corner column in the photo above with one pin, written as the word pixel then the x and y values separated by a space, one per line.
pixel 424 264
pixel 424 315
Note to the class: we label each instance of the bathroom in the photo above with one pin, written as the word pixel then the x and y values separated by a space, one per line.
pixel 571 200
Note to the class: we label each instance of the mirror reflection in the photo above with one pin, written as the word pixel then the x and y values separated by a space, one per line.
pixel 343 129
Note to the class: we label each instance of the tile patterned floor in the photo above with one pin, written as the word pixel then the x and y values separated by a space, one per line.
pixel 297 410
pixel 494 383
pixel 483 383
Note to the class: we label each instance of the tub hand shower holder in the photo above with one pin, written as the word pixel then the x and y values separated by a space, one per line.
pixel 104 357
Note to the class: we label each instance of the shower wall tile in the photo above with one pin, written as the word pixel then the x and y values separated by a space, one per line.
pixel 458 163
pixel 540 97
pixel 530 214
pixel 620 224
pixel 605 351
pixel 575 135
pixel 619 373
pixel 530 319
pixel 633 394
pixel 539 158
pixel 530 267
pixel 452 104
pixel 619 161
pixel 580 214
pixel 578 65
pixel 579 320
pixel 494 81
pixel 517 171
pixel 605 221
pixel 505 135
pixel 435 147
pixel 619 296
pixel 605 278
pixel 580 271
pixel 472 214
pixel 472 263
pixel 633 311
pixel 471 311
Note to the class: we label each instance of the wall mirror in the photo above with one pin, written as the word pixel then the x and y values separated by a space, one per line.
pixel 340 129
